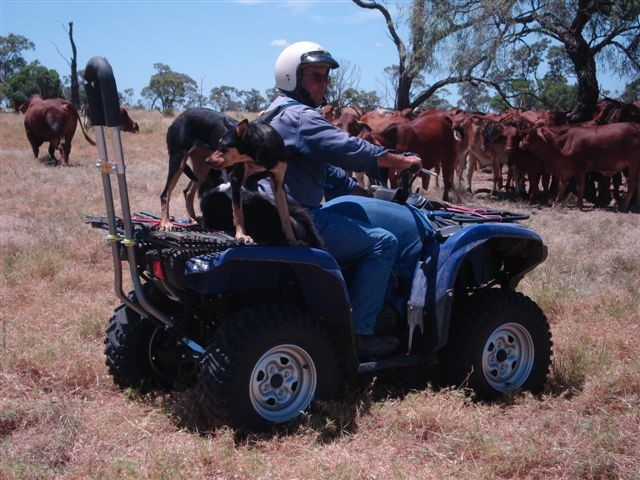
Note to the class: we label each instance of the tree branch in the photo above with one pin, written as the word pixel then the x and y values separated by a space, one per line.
pixel 402 51
pixel 626 52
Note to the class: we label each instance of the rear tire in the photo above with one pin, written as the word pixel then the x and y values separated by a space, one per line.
pixel 499 343
pixel 266 365
pixel 127 350
pixel 142 354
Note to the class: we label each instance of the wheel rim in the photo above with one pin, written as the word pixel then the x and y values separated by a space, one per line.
pixel 282 383
pixel 507 358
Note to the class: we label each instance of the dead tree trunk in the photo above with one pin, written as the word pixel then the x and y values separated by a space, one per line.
pixel 75 90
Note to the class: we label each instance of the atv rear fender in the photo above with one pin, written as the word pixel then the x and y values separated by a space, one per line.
pixel 247 269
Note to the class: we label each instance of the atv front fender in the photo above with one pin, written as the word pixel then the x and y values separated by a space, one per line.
pixel 483 253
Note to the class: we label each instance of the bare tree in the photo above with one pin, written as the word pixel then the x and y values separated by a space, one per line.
pixel 343 79
pixel 73 64
pixel 75 91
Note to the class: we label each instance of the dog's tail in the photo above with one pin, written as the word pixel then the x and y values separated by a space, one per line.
pixel 303 227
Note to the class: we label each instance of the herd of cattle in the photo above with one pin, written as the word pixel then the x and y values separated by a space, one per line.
pixel 537 147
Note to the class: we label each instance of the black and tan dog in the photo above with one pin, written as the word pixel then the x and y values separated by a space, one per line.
pixel 248 149
pixel 195 135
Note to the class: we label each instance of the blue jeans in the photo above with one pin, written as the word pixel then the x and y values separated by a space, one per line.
pixel 371 250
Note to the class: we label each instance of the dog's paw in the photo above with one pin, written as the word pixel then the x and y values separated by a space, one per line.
pixel 246 239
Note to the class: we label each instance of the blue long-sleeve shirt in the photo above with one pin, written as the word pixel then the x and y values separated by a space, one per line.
pixel 311 142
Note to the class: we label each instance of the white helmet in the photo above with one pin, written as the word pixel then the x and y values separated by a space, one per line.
pixel 288 64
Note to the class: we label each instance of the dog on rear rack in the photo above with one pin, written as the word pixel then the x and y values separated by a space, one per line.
pixel 249 149
pixel 194 134
pixel 262 221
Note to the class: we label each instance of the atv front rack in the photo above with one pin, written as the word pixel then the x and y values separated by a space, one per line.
pixel 125 231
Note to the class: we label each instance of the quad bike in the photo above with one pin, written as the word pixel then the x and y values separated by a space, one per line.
pixel 262 332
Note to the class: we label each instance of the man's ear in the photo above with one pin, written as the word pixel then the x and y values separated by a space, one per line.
pixel 241 129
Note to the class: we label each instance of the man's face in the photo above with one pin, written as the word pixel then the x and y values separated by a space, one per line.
pixel 315 80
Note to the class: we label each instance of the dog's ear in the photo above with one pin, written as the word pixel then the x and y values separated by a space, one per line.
pixel 241 129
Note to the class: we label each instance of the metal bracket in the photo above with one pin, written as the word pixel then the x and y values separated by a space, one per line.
pixel 106 167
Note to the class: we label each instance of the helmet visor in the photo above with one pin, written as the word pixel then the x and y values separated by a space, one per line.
pixel 318 56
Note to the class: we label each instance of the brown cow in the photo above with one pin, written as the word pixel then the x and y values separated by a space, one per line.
pixel 126 124
pixel 570 151
pixel 509 134
pixel 429 136
pixel 54 121
pixel 380 119
pixel 471 148
pixel 614 111
pixel 346 119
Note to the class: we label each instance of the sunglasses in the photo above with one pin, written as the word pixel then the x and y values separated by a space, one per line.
pixel 318 77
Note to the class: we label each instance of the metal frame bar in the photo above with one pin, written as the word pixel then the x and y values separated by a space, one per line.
pixel 104 111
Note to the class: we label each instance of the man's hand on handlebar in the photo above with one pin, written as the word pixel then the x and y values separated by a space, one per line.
pixel 399 161
pixel 413 163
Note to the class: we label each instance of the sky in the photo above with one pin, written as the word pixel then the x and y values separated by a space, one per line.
pixel 215 42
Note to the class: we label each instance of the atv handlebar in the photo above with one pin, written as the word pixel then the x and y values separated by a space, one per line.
pixel 407 177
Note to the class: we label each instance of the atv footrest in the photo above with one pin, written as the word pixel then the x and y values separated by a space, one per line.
pixel 390 362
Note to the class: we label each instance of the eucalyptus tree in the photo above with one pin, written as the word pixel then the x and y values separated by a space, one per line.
pixel 170 89
pixel 12 60
pixel 501 43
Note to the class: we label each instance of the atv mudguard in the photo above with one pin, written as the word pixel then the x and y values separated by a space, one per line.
pixel 255 268
pixel 491 250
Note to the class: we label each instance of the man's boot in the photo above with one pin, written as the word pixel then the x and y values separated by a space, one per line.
pixel 373 346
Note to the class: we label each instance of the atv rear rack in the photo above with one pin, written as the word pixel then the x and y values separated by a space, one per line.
pixel 181 236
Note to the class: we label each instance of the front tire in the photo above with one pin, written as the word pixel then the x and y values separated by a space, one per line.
pixel 266 365
pixel 499 343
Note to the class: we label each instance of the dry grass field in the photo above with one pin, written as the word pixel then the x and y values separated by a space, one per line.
pixel 62 417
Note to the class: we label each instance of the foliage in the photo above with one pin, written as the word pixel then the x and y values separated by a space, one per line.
pixel 253 100
pixel 196 100
pixel 171 89
pixel 347 77
pixel 631 92
pixel 271 94
pixel 126 97
pixel 226 98
pixel 11 59
pixel 66 89
pixel 436 101
pixel 474 97
pixel 33 78
pixel 365 100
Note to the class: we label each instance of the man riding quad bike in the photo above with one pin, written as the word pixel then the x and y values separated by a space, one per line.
pixel 261 332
